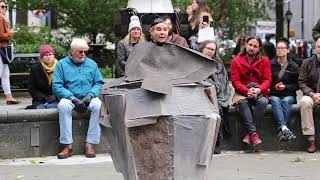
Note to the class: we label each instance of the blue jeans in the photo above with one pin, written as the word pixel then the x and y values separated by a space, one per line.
pixel 65 108
pixel 282 109
pixel 52 105
pixel 252 110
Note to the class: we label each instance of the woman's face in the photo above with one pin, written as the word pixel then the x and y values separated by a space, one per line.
pixel 135 32
pixel 210 50
pixel 194 5
pixel 282 50
pixel 159 33
pixel 189 10
pixel 3 8
pixel 48 58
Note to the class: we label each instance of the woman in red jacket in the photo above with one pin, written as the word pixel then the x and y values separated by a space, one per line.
pixel 5 35
pixel 251 78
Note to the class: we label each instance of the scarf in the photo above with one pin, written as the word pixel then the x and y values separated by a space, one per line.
pixel 48 70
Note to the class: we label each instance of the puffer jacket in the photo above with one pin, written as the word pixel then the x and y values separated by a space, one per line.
pixel 72 79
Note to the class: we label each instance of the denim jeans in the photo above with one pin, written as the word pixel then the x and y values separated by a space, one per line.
pixel 252 110
pixel 282 109
pixel 52 105
pixel 65 108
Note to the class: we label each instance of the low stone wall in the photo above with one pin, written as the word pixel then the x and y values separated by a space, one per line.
pixel 268 131
pixel 33 133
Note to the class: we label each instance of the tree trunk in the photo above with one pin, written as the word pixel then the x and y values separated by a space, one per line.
pixel 279 17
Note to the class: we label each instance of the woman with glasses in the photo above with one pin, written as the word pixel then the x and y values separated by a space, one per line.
pixel 126 45
pixel 5 35
pixel 41 75
pixel 221 82
pixel 239 46
pixel 285 74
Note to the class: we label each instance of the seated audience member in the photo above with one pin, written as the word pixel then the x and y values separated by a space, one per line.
pixel 77 82
pixel 309 83
pixel 285 74
pixel 251 78
pixel 173 37
pixel 126 45
pixel 41 75
pixel 221 82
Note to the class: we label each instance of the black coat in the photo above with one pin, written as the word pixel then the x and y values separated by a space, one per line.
pixel 289 79
pixel 39 87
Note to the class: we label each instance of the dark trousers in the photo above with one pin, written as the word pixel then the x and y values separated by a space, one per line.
pixel 224 125
pixel 252 110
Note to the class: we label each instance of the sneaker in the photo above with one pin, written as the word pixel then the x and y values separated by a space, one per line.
pixel 286 135
pixel 246 139
pixel 255 139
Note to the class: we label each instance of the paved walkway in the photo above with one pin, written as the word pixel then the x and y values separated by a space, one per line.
pixel 227 166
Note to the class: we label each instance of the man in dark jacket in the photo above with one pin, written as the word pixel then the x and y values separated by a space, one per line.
pixel 268 47
pixel 316 31
pixel 309 83
pixel 283 90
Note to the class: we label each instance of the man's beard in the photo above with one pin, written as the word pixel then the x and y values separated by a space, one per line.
pixel 251 56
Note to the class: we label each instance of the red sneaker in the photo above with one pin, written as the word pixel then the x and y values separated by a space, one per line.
pixel 246 139
pixel 255 139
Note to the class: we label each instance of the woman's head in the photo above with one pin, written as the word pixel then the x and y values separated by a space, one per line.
pixel 199 6
pixel 282 48
pixel 209 48
pixel 3 7
pixel 241 40
pixel 159 30
pixel 47 54
pixel 135 27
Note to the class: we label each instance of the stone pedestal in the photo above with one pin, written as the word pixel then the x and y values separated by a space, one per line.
pixel 155 137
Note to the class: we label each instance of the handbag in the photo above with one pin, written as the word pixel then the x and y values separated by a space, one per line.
pixel 206 33
pixel 10 52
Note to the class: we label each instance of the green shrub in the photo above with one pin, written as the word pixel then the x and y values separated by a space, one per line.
pixel 108 72
pixel 30 39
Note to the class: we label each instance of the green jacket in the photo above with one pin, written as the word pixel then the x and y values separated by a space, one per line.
pixel 316 31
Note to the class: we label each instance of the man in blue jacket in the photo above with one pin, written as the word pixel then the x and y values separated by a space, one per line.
pixel 77 82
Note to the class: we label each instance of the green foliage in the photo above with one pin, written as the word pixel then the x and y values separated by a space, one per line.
pixel 238 16
pixel 30 39
pixel 108 72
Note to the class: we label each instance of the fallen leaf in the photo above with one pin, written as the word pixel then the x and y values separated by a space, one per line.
pixel 314 159
pixel 263 154
pixel 33 162
pixel 297 159
pixel 20 176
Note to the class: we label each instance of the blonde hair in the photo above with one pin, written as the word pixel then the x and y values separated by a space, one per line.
pixel 127 39
pixel 318 41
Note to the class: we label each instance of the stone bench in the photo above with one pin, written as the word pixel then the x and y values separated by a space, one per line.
pixel 31 133
pixel 268 132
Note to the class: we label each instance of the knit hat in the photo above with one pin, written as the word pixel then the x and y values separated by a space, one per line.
pixel 45 49
pixel 134 23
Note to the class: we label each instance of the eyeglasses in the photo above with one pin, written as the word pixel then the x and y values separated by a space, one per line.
pixel 80 52
pixel 4 7
pixel 282 48
pixel 210 49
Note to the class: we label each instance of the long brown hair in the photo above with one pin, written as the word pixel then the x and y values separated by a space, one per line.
pixel 244 51
pixel 203 7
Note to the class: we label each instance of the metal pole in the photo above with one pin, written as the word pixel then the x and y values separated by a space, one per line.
pixel 288 29
pixel 302 19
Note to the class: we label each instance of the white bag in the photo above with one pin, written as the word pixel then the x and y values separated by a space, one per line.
pixel 206 33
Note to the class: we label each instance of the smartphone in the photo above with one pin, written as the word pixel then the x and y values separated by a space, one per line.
pixel 205 19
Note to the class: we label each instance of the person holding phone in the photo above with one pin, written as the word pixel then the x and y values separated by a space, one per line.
pixel 6 34
pixel 201 19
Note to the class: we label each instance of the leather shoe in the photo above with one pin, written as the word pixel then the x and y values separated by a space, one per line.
pixel 10 102
pixel 89 152
pixel 65 153
pixel 311 146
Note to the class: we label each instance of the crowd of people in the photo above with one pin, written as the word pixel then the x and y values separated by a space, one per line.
pixel 74 82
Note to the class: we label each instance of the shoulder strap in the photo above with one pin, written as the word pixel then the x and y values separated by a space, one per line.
pixel 283 70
